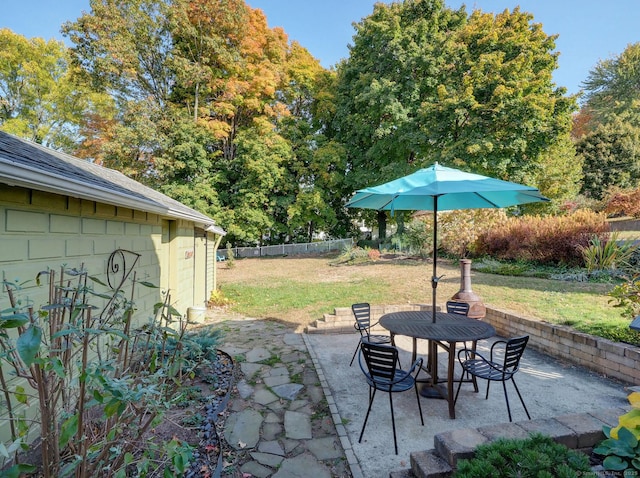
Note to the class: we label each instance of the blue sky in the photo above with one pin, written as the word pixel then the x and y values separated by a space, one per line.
pixel 589 30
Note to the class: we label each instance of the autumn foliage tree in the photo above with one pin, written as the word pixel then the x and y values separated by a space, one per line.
pixel 212 104
pixel 202 100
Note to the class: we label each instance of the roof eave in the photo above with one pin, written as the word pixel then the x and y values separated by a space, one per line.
pixel 32 178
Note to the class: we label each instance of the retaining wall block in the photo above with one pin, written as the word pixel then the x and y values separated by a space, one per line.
pixel 458 444
pixel 588 429
pixel 553 428
pixel 428 464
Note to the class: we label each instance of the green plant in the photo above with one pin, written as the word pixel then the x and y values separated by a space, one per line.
pixel 621 448
pixel 627 296
pixel 100 381
pixel 417 237
pixel 194 420
pixel 536 457
pixel 353 255
pixel 218 299
pixel 231 259
pixel 607 254
pixel 271 361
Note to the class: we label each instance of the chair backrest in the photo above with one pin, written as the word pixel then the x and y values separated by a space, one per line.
pixel 454 307
pixel 513 352
pixel 362 313
pixel 381 361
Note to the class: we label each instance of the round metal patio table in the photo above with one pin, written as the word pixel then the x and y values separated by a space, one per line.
pixel 446 331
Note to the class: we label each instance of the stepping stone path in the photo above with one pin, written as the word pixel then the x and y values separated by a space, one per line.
pixel 278 421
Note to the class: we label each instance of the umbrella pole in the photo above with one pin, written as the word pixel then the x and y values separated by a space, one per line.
pixel 434 277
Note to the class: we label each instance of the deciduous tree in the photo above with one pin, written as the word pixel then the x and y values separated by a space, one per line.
pixel 611 157
pixel 41 98
pixel 613 86
pixel 425 83
pixel 497 111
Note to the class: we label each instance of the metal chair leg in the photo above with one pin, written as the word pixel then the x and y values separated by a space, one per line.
pixel 474 346
pixel 354 354
pixel 455 399
pixel 419 405
pixel 521 400
pixel 506 397
pixel 393 422
pixel 364 425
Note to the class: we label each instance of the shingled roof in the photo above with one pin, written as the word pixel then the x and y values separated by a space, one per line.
pixel 30 165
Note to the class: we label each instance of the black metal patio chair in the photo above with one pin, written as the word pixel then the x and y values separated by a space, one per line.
pixel 362 314
pixel 494 369
pixel 462 308
pixel 455 307
pixel 382 372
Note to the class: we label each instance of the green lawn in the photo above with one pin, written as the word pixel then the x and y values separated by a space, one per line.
pixel 301 290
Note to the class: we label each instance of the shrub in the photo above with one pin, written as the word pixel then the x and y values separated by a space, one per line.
pixel 627 296
pixel 218 299
pixel 537 456
pixel 101 383
pixel 230 257
pixel 623 203
pixel 458 231
pixel 417 237
pixel 545 240
pixel 352 255
pixel 374 254
pixel 621 448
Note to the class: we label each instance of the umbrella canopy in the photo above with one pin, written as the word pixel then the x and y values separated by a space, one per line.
pixel 444 189
pixel 439 188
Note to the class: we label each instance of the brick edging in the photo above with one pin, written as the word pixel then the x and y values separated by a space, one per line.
pixel 579 431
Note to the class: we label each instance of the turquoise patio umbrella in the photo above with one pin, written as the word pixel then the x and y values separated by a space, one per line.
pixel 438 188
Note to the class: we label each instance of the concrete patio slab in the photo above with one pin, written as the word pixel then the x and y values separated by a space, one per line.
pixel 550 388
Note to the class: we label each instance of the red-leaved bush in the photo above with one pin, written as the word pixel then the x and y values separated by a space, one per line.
pixel 624 203
pixel 546 240
pixel 374 254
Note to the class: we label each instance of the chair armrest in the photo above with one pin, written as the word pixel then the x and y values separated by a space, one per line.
pixel 417 365
pixel 497 342
pixel 479 356
pixel 468 354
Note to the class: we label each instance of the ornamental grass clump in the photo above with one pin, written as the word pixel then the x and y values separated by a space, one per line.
pixel 608 254
pixel 535 457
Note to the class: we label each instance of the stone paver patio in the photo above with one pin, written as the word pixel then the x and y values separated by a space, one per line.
pixel 279 422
